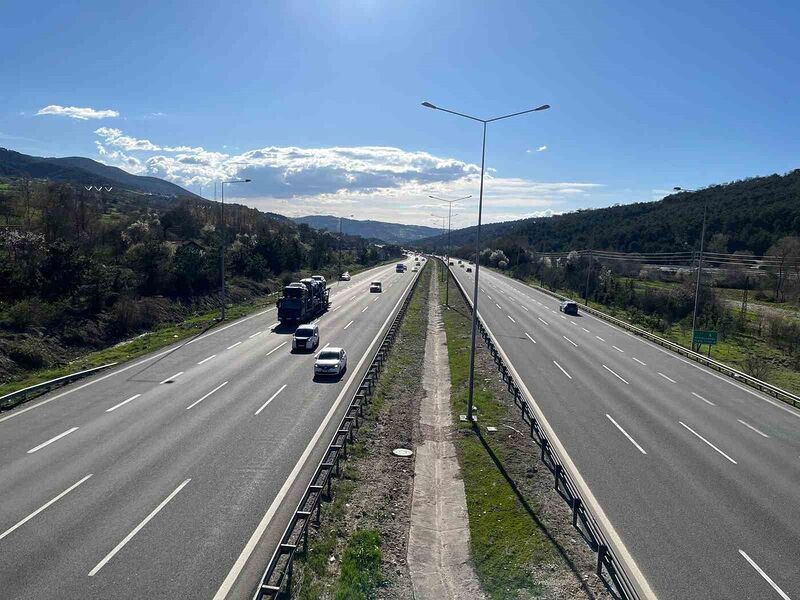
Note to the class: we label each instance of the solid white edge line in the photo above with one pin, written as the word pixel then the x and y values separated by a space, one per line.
pixel 624 554
pixel 19 524
pixel 615 375
pixel 530 338
pixel 173 378
pixel 703 399
pixel 136 529
pixel 124 402
pixel 562 369
pixel 22 411
pixel 276 348
pixel 707 442
pixel 625 433
pixel 233 346
pixel 766 577
pixel 667 378
pixel 196 402
pixel 348 325
pixel 271 398
pixel 247 551
pixel 761 433
pixel 51 440
pixel 208 358
pixel 16 413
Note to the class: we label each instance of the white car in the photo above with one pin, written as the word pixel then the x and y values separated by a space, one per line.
pixel 306 337
pixel 345 276
pixel 375 287
pixel 330 362
pixel 415 269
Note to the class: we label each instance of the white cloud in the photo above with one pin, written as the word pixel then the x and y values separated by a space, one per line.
pixel 379 182
pixel 114 137
pixel 541 148
pixel 76 112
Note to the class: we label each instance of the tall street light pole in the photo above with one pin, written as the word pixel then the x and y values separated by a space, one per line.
pixel 449 246
pixel 484 122
pixel 699 264
pixel 442 217
pixel 339 268
pixel 222 249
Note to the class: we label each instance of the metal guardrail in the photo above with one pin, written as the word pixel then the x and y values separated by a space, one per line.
pixel 609 567
pixel 16 398
pixel 277 579
pixel 762 386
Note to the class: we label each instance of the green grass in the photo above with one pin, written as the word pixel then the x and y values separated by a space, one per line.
pixel 318 577
pixel 361 567
pixel 506 543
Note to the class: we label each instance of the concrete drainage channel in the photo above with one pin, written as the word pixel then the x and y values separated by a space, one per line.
pixel 609 567
pixel 277 579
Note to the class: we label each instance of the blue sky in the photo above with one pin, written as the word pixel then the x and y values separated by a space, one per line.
pixel 319 102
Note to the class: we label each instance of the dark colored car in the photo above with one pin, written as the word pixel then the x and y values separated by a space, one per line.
pixel 569 307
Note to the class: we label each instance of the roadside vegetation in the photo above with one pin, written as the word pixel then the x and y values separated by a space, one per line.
pixel 81 272
pixel 360 549
pixel 520 536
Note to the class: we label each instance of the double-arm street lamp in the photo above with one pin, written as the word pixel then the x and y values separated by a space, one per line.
pixel 450 203
pixel 699 263
pixel 478 235
pixel 222 249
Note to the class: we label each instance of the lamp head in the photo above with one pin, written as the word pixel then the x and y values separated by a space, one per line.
pixel 427 104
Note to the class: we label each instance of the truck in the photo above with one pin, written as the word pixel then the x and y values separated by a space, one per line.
pixel 303 300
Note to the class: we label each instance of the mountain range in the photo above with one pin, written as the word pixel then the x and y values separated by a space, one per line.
pixel 749 215
pixel 83 171
pixel 393 233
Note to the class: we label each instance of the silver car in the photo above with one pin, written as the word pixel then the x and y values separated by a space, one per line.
pixel 306 337
pixel 331 362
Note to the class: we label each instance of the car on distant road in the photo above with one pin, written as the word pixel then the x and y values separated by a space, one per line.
pixel 469 269
pixel 306 337
pixel 569 307
pixel 415 269
pixel 400 268
pixel 375 287
pixel 330 362
pixel 318 278
pixel 345 276
pixel 451 263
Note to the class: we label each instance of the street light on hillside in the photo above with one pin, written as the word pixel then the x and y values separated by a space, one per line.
pixel 339 268
pixel 478 235
pixel 449 246
pixel 222 250
pixel 699 262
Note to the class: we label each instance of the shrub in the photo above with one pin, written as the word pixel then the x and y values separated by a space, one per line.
pixel 28 354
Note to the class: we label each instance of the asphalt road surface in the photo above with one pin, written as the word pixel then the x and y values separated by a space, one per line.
pixel 174 475
pixel 698 474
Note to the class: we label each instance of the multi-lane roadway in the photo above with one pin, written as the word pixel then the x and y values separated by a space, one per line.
pixel 174 475
pixel 698 474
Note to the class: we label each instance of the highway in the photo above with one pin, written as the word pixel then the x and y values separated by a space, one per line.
pixel 698 474
pixel 175 474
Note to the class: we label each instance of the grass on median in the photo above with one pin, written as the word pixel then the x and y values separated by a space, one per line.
pixel 316 575
pixel 507 545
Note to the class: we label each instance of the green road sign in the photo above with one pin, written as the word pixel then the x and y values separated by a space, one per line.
pixel 705 337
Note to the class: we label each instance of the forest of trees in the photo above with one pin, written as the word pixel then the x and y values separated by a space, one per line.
pixel 746 216
pixel 86 268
